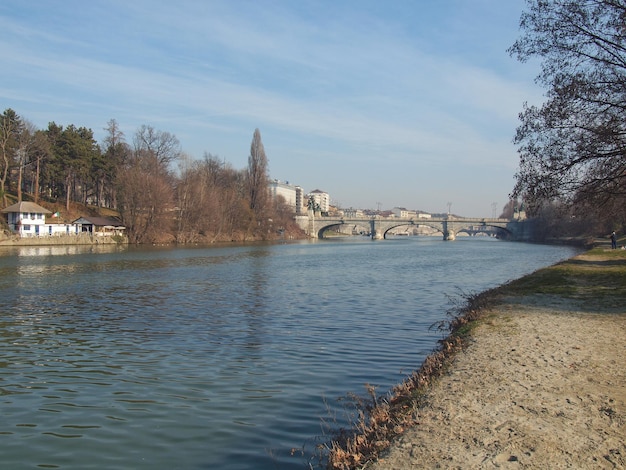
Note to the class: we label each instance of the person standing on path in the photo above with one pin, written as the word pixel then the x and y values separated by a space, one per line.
pixel 613 241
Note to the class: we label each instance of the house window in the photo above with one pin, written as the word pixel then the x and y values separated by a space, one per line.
pixel 26 228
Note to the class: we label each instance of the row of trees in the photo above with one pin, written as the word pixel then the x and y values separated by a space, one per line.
pixel 573 147
pixel 160 193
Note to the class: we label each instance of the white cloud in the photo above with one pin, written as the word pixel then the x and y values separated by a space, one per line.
pixel 342 88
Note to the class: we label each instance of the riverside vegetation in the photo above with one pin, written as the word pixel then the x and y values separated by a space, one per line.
pixel 160 194
pixel 593 282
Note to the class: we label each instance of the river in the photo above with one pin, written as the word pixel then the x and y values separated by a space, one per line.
pixel 219 357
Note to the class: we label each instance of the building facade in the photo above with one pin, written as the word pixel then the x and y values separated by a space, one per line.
pixel 293 195
pixel 27 219
pixel 321 199
pixel 403 213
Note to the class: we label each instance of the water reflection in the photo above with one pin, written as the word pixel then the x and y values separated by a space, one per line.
pixel 254 303
pixel 62 250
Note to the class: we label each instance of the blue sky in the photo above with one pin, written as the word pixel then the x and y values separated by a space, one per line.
pixel 409 103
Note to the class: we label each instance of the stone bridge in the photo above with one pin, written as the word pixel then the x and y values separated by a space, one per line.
pixel 315 225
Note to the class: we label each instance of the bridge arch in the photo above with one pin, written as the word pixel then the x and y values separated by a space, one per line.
pixel 469 228
pixel 411 223
pixel 342 223
pixel 321 230
pixel 378 227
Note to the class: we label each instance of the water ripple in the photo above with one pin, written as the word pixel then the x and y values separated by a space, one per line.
pixel 225 357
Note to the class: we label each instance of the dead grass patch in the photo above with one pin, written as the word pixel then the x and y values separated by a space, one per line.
pixel 379 419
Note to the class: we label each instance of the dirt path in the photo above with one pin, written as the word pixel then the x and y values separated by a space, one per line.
pixel 538 387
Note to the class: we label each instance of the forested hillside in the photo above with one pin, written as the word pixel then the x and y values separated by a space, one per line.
pixel 160 194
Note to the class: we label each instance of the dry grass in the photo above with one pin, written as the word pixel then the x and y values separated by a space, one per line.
pixel 594 281
pixel 379 419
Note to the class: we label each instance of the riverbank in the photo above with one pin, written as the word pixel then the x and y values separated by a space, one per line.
pixel 538 381
pixel 56 240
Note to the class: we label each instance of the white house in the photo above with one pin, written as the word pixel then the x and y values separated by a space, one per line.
pixel 26 218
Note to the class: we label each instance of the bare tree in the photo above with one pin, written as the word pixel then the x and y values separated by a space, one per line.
pixel 160 145
pixel 116 153
pixel 573 148
pixel 10 128
pixel 257 189
pixel 509 209
pixel 25 151
pixel 145 198
pixel 257 174
pixel 145 185
pixel 211 201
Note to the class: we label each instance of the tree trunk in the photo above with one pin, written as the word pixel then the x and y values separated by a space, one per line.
pixel 19 182
pixel 37 182
pixel 68 189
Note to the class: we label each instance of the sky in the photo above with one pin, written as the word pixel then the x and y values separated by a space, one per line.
pixel 401 103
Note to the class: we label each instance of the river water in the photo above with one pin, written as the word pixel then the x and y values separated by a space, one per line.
pixel 219 357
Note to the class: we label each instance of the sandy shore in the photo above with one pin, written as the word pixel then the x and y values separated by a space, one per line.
pixel 541 385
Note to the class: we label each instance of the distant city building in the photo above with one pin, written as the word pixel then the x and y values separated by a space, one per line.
pixel 353 213
pixel 320 198
pixel 293 195
pixel 403 213
pixel 423 215
pixel 301 202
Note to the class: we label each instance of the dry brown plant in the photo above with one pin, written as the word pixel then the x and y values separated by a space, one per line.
pixel 380 419
pixel 594 280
